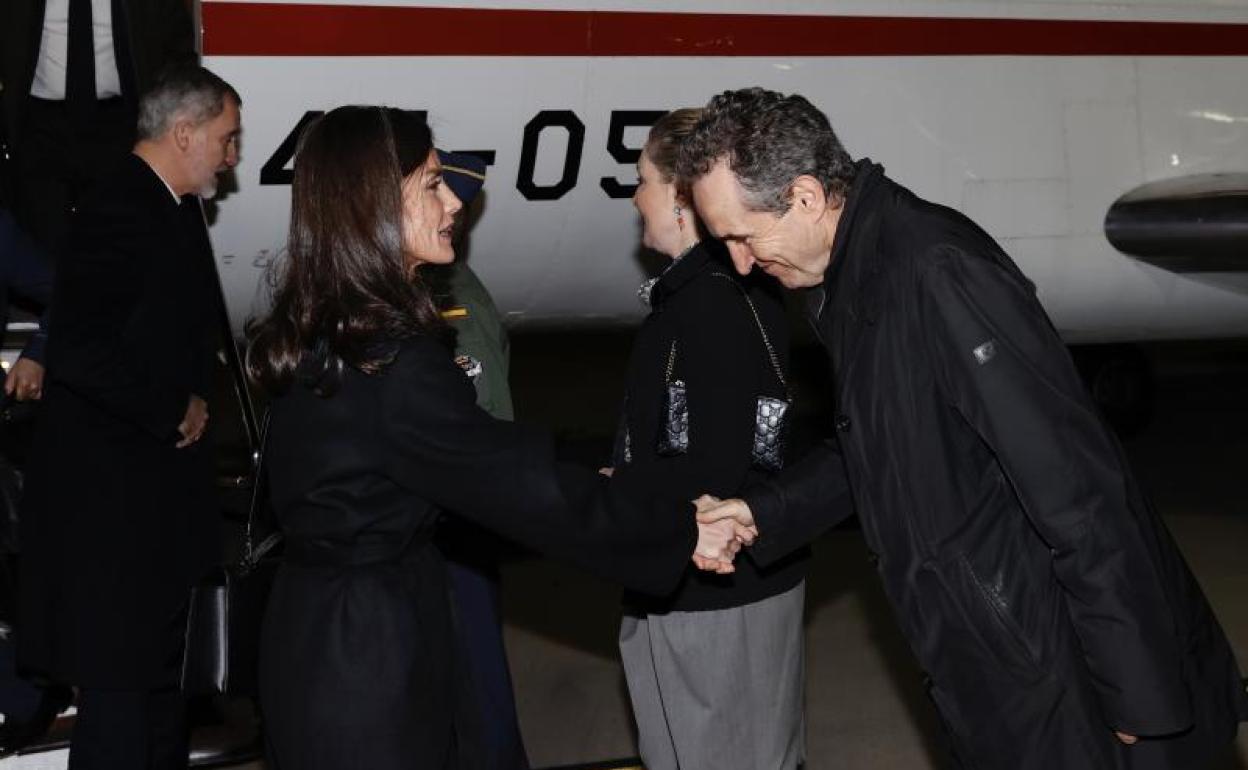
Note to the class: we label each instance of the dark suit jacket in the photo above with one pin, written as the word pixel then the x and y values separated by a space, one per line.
pixel 357 665
pixel 117 523
pixel 154 34
pixel 24 272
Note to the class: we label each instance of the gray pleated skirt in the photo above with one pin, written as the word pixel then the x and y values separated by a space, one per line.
pixel 719 689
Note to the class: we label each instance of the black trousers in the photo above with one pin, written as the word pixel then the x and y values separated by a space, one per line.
pixel 130 730
pixel 58 159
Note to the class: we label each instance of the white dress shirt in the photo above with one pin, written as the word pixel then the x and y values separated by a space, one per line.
pixel 49 82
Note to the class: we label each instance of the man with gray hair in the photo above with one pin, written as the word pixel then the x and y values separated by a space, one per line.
pixel 120 518
pixel 1055 618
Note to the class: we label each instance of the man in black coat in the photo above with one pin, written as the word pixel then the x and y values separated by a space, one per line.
pixel 1055 618
pixel 73 71
pixel 120 517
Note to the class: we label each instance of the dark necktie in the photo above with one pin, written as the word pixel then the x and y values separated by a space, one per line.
pixel 80 63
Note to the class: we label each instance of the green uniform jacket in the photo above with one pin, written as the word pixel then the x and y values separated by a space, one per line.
pixel 481 336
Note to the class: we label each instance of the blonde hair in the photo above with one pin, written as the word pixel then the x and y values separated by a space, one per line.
pixel 663 143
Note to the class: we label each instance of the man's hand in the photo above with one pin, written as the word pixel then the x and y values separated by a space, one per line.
pixel 608 472
pixel 712 509
pixel 717 545
pixel 1129 740
pixel 194 423
pixel 25 380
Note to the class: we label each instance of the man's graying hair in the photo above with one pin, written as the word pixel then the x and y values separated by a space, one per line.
pixel 187 91
pixel 769 140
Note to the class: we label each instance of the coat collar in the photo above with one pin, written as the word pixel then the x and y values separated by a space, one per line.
pixel 143 177
pixel 842 305
pixel 855 258
pixel 703 257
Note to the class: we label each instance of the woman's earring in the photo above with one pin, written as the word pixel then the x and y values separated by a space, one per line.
pixel 680 217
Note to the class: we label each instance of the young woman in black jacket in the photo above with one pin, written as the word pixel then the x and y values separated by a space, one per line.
pixel 715 668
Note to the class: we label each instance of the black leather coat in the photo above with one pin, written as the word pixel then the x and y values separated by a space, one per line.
pixel 1039 590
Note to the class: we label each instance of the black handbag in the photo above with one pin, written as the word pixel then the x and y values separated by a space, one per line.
pixel 771 413
pixel 674 421
pixel 227 608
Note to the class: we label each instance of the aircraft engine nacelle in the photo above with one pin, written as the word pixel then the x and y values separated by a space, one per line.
pixel 1191 224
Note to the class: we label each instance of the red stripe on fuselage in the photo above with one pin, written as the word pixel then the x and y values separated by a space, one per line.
pixel 274 29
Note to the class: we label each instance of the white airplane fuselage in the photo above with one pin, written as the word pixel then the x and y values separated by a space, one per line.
pixel 1031 128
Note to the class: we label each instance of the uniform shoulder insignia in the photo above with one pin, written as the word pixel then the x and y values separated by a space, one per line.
pixel 472 367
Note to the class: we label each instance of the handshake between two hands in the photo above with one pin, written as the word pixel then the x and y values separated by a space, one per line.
pixel 723 527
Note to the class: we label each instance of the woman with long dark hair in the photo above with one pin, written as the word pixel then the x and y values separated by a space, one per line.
pixel 374 430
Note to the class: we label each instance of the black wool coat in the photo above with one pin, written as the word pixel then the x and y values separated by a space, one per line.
pixel 358 666
pixel 698 306
pixel 1038 588
pixel 117 523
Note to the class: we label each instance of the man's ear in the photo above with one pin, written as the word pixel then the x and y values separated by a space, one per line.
pixel 806 196
pixel 183 132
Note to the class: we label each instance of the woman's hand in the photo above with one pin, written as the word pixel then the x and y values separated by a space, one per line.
pixel 712 509
pixel 717 545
